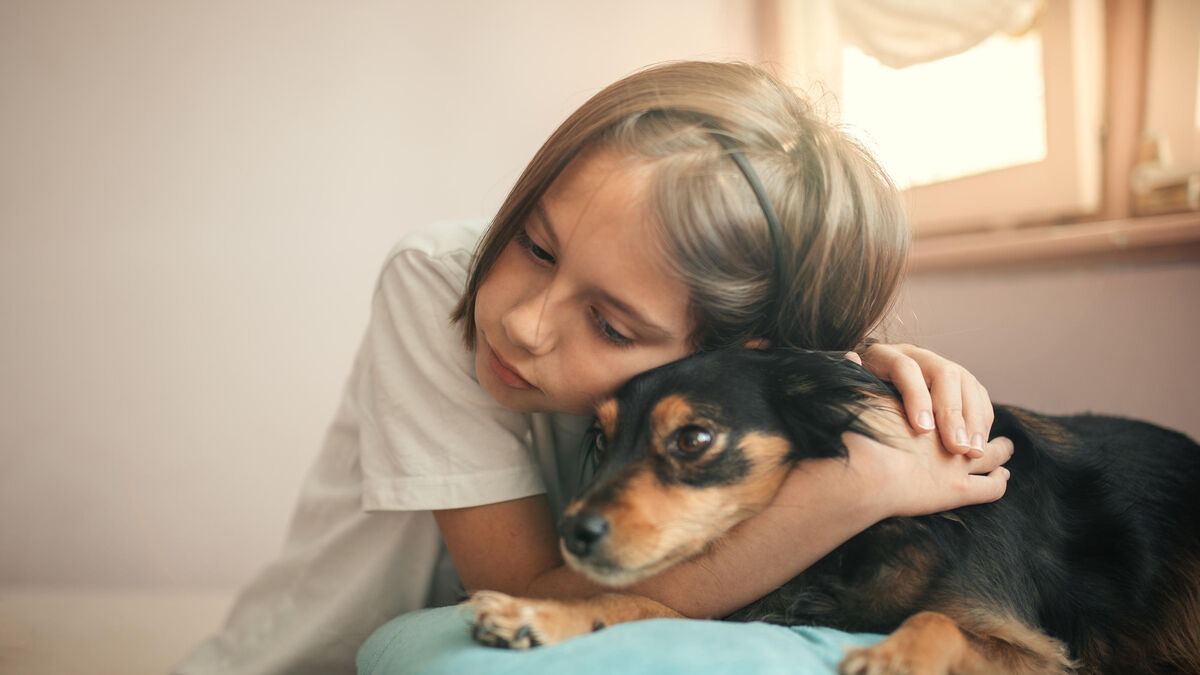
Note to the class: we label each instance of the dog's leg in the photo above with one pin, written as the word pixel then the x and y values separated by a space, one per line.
pixel 520 623
pixel 931 643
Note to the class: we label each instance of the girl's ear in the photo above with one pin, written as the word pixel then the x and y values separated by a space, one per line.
pixel 757 343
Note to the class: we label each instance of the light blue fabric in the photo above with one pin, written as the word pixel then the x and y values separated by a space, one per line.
pixel 438 641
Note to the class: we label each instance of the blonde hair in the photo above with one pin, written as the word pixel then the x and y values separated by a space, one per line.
pixel 844 239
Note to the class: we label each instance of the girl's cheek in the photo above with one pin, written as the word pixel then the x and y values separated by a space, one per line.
pixel 579 388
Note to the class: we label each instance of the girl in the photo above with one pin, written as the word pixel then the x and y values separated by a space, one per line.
pixel 689 206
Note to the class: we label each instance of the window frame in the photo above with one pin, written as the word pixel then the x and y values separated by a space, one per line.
pixel 1096 220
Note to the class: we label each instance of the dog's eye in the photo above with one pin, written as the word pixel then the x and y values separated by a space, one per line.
pixel 599 445
pixel 692 440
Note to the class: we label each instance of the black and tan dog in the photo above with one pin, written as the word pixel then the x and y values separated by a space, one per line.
pixel 1091 561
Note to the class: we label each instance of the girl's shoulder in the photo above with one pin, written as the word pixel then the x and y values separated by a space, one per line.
pixel 440 240
pixel 434 259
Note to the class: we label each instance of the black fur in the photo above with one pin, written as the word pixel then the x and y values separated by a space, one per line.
pixel 1098 534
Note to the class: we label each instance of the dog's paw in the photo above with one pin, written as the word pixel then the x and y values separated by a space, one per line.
pixel 520 623
pixel 886 659
pixel 867 662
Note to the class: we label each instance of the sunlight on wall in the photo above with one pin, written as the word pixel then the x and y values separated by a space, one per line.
pixel 981 110
pixel 1198 91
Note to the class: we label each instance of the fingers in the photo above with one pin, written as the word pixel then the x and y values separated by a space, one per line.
pixel 937 394
pixel 988 487
pixel 947 394
pixel 964 411
pixel 988 479
pixel 995 455
pixel 978 415
pixel 891 364
pixel 905 374
pixel 925 479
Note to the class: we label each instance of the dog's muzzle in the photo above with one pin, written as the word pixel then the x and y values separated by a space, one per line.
pixel 581 532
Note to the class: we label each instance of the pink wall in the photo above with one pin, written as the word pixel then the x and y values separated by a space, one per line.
pixel 1113 338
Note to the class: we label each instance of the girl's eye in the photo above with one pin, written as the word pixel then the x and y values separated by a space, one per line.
pixel 608 332
pixel 526 242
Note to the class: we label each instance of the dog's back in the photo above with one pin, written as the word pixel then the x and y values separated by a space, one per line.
pixel 1103 521
pixel 1096 543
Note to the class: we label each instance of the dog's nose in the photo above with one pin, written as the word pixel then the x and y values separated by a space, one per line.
pixel 582 530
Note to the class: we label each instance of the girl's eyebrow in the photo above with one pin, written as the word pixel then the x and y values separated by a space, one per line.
pixel 649 328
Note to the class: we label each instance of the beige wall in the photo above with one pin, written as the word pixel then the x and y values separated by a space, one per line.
pixel 194 200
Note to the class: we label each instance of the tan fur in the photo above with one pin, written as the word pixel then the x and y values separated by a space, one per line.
pixel 933 643
pixel 885 417
pixel 1174 640
pixel 606 415
pixel 650 525
pixel 766 454
pixel 521 623
pixel 927 643
pixel 1056 436
pixel 669 414
pixel 656 525
pixel 898 586
pixel 1011 645
pixel 1181 641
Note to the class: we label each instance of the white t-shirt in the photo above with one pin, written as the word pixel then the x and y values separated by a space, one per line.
pixel 414 432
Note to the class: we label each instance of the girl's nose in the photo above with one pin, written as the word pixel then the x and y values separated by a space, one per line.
pixel 528 324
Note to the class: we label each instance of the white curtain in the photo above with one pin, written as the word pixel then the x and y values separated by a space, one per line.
pixel 901 33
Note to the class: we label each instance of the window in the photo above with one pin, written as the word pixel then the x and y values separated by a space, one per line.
pixel 1167 176
pixel 1028 141
pixel 994 120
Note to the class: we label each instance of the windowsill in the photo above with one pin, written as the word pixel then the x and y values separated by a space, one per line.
pixel 1172 236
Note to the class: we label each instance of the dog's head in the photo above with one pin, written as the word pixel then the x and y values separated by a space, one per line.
pixel 688 450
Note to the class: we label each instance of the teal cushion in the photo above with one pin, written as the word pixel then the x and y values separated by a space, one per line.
pixel 438 641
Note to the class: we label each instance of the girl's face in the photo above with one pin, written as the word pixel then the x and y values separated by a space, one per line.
pixel 581 301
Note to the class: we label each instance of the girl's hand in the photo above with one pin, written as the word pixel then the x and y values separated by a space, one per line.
pixel 937 394
pixel 922 478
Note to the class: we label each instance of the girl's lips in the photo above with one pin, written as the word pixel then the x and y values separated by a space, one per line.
pixel 505 373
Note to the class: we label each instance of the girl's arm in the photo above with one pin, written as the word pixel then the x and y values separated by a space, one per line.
pixel 512 546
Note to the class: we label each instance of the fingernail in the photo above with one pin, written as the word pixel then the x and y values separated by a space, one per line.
pixel 977 441
pixel 975 453
pixel 960 437
pixel 925 420
pixel 1007 473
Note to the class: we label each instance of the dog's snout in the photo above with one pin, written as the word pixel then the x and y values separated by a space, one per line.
pixel 581 531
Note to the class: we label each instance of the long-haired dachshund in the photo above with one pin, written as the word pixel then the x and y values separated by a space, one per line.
pixel 1090 562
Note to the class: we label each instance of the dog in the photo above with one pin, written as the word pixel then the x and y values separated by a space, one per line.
pixel 1089 563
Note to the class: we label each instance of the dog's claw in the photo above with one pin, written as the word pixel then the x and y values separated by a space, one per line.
pixel 501 621
pixel 522 623
pixel 879 660
pixel 486 635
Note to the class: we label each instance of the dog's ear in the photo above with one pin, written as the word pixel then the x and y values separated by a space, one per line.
pixel 820 395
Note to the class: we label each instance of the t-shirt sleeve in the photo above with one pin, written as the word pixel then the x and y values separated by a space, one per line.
pixel 429 436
